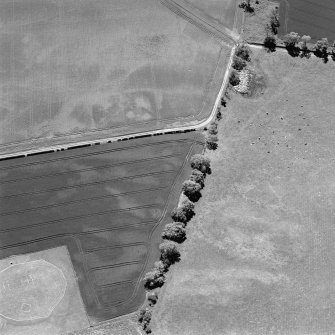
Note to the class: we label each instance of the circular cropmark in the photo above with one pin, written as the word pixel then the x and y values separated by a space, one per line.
pixel 30 291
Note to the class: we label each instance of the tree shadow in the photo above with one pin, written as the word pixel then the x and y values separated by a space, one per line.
pixel 293 51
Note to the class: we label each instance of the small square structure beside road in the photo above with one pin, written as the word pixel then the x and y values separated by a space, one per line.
pixel 39 294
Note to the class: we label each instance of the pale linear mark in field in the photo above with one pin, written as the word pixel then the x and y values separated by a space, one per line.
pixel 31 209
pixel 59 298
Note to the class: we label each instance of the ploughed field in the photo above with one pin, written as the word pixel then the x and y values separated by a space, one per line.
pixel 80 70
pixel 312 17
pixel 106 203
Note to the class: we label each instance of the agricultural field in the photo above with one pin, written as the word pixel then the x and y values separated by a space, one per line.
pixel 106 204
pixel 313 17
pixel 223 11
pixel 74 71
pixel 260 258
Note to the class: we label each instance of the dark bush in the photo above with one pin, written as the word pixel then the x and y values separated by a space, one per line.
pixel 234 78
pixel 211 142
pixel 174 232
pixel 274 21
pixel 238 63
pixel 270 43
pixel 152 298
pixel 201 163
pixel 223 102
pixel 169 252
pixel 218 114
pixel 244 52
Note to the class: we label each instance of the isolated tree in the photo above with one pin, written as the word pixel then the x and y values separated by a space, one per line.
pixel 321 48
pixel 274 21
pixel 223 102
pixel 198 177
pixel 244 52
pixel 304 47
pixel 270 43
pixel 174 232
pixel 169 252
pixel 201 163
pixel 153 279
pixel 234 78
pixel 239 63
pixel 192 190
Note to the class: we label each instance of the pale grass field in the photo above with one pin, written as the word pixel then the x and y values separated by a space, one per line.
pixel 260 255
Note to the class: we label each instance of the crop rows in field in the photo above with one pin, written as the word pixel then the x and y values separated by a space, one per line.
pixel 106 204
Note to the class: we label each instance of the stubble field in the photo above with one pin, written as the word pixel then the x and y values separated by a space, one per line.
pixel 260 255
pixel 106 203
pixel 81 70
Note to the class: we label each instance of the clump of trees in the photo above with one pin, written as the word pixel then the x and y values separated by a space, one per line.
pixel 211 136
pixel 305 52
pixel 169 252
pixel 174 231
pixel 246 5
pixel 173 234
pixel 274 21
pixel 144 318
pixel 198 177
pixel 321 49
pixel 201 163
pixel 234 78
pixel 239 63
pixel 291 43
pixel 183 213
pixel 243 52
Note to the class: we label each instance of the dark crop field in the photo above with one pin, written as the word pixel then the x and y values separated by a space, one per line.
pixel 308 17
pixel 106 203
